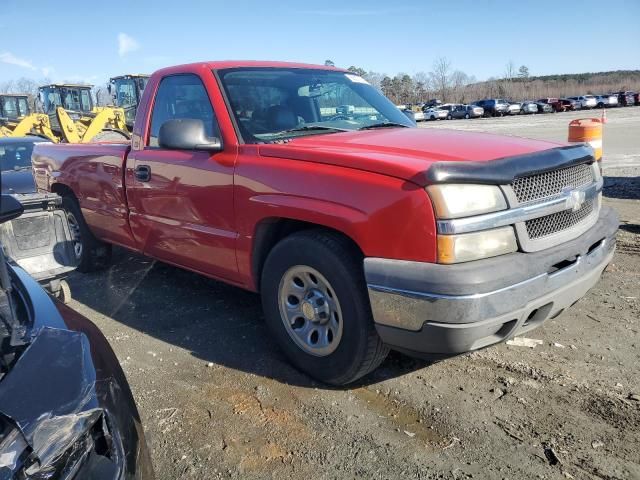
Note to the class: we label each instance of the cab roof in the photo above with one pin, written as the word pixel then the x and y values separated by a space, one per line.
pixel 223 64
pixel 70 85
pixel 131 75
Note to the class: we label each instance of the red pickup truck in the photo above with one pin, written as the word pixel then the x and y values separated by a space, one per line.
pixel 361 232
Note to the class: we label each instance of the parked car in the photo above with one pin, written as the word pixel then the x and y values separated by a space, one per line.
pixel 436 113
pixel 544 107
pixel 493 107
pixel 585 101
pixel 569 105
pixel 528 107
pixel 636 98
pixel 66 410
pixel 15 164
pixel 412 114
pixel 418 115
pixel 607 100
pixel 626 99
pixel 352 229
pixel 555 103
pixel 513 109
pixel 465 111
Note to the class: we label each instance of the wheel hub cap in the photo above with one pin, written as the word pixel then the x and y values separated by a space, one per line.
pixel 310 310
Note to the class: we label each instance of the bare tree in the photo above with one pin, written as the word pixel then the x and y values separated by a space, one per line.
pixel 510 70
pixel 440 77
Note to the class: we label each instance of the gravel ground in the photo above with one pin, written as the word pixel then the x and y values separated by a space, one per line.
pixel 218 400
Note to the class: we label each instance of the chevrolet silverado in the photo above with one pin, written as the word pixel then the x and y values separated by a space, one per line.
pixel 360 231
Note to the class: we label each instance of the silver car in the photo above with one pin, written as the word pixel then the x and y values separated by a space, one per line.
pixel 606 101
pixel 435 113
pixel 528 107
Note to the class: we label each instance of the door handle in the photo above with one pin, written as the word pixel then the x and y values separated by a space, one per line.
pixel 143 173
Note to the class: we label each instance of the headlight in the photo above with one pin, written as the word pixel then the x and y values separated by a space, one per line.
pixel 460 200
pixel 474 246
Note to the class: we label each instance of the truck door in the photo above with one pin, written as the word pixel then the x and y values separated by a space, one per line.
pixel 181 201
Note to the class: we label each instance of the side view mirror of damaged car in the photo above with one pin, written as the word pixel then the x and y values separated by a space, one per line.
pixel 187 134
pixel 10 208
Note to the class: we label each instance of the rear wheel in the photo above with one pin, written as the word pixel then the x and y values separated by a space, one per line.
pixel 316 305
pixel 91 253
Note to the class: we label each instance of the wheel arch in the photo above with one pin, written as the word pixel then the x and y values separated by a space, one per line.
pixel 63 190
pixel 270 231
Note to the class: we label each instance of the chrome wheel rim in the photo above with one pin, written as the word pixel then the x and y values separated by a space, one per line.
pixel 75 234
pixel 310 310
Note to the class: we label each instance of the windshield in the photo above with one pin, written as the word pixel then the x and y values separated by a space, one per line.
pixel 125 92
pixel 15 156
pixel 50 98
pixel 274 103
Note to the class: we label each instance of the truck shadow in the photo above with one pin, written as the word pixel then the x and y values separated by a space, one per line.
pixel 216 322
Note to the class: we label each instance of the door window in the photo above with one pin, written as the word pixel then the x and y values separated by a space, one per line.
pixel 182 96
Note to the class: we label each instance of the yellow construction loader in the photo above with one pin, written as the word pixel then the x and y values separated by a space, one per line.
pixel 126 92
pixel 75 119
pixel 33 124
pixel 14 106
pixel 16 119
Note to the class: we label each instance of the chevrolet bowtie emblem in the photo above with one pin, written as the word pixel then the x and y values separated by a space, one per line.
pixel 575 199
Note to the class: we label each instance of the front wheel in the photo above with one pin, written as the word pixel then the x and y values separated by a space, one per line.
pixel 316 305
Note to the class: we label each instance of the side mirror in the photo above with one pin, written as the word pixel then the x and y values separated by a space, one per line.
pixel 10 208
pixel 187 134
pixel 109 88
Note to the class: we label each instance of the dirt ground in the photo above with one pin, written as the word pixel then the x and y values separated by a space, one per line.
pixel 218 400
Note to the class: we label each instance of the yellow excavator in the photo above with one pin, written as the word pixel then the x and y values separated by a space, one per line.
pixel 126 92
pixel 17 120
pixel 75 119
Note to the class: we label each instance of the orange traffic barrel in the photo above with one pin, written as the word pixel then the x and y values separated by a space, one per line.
pixel 587 130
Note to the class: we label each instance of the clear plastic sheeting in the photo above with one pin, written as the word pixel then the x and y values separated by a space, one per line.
pixel 50 395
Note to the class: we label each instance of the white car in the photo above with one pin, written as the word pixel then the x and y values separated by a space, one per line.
pixel 514 109
pixel 435 113
pixel 585 101
pixel 606 101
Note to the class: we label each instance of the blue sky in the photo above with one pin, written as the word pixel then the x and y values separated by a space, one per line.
pixel 96 40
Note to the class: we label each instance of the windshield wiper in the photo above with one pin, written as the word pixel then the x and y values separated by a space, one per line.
pixel 307 128
pixel 382 125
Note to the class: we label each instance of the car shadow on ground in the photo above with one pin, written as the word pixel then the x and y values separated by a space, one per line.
pixel 218 323
pixel 625 188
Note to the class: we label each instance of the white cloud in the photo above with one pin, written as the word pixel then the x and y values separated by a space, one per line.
pixel 11 59
pixel 46 71
pixel 126 44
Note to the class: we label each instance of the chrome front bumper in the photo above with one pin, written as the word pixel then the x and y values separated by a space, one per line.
pixel 446 309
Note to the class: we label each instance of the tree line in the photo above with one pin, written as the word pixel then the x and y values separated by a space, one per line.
pixel 447 84
pixel 442 82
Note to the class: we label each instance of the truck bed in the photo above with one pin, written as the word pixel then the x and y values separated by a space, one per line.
pixel 95 173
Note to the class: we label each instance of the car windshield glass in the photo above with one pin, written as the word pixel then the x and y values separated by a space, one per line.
pixel 271 104
pixel 15 156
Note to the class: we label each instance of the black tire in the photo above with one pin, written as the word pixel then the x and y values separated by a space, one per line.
pixel 94 254
pixel 360 349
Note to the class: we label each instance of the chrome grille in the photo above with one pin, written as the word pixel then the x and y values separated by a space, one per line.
pixel 550 184
pixel 543 226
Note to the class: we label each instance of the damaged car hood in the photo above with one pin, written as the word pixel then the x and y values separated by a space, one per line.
pixel 66 410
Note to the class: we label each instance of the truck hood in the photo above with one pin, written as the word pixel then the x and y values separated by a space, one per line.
pixel 405 153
